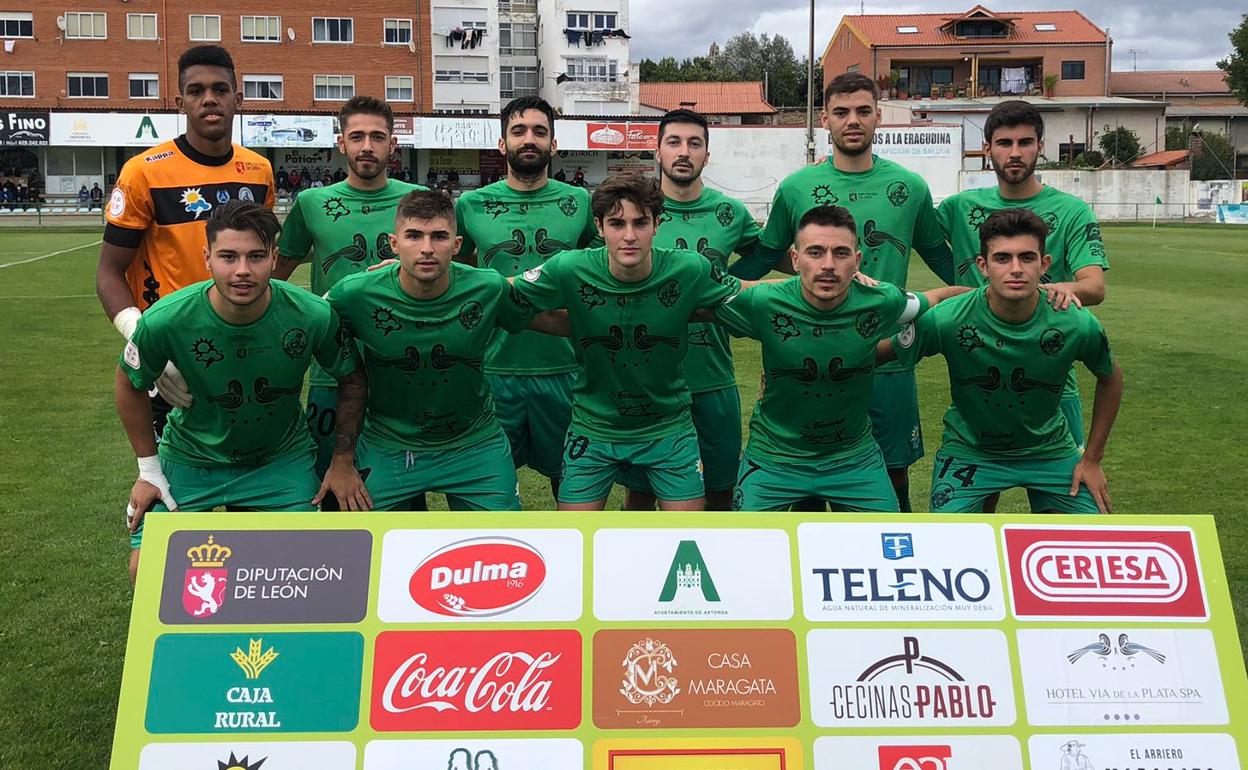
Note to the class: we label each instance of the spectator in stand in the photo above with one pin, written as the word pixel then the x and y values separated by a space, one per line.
pixel 84 196
pixel 339 175
pixel 281 179
pixel 7 195
pixel 24 193
pixel 294 178
pixel 431 179
pixel 97 196
pixel 561 175
pixel 578 178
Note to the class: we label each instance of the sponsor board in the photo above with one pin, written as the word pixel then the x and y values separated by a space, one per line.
pixel 449 576
pixel 476 680
pixel 112 129
pixel 289 576
pixel 927 752
pixel 312 755
pixel 1121 676
pixel 918 142
pixel 288 131
pixel 905 571
pixel 25 128
pixel 661 678
pixel 255 683
pixel 622 136
pixel 909 678
pixel 1104 572
pixel 725 753
pixel 475 754
pixel 1205 751
pixel 706 574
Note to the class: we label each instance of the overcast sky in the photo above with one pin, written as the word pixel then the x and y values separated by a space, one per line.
pixel 1176 35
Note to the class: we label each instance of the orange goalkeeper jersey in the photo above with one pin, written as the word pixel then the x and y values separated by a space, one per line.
pixel 161 204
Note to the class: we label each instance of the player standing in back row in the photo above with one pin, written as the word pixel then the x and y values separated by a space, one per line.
pixel 512 226
pixel 893 209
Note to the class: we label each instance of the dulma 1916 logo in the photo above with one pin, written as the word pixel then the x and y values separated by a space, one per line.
pixel 203 588
pixel 478 577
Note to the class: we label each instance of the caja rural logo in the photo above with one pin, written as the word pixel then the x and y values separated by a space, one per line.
pixel 1104 572
pixel 479 577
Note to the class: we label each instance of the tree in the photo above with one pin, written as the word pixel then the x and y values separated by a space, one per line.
pixel 1214 159
pixel 770 59
pixel 1176 137
pixel 801 81
pixel 1236 65
pixel 1121 145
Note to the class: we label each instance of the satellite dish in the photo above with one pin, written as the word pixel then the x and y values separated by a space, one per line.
pixel 290 33
pixel 411 46
pixel 60 23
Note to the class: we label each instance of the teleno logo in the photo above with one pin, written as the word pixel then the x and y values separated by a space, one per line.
pixel 477 680
pixel 1104 572
pixel 915 757
pixel 478 577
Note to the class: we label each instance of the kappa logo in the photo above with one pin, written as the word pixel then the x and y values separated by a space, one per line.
pixel 479 577
pixel 933 757
pixel 688 573
pixel 1104 572
pixel 204 584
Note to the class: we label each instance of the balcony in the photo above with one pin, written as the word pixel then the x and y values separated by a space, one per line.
pixel 968 77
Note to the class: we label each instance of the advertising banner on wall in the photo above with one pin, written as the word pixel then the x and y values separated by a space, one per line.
pixel 461 133
pixel 527 640
pixel 288 131
pixel 112 129
pixel 622 136
pixel 24 128
pixel 918 142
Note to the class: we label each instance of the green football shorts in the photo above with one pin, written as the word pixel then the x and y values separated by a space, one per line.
pixel 477 477
pixel 286 483
pixel 962 485
pixel 717 420
pixel 894 412
pixel 322 417
pixel 856 483
pixel 535 411
pixel 1072 410
pixel 670 465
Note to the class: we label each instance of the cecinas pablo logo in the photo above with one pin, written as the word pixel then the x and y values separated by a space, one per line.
pixel 1104 572
pixel 478 577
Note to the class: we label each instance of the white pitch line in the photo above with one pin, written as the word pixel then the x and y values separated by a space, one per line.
pixel 53 254
pixel 54 296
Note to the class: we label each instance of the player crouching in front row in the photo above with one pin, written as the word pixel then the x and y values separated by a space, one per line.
pixel 243 343
pixel 1009 353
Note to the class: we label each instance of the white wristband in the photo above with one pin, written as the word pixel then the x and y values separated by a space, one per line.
pixel 149 469
pixel 126 320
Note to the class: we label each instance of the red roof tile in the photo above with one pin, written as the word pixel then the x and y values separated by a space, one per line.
pixel 1164 159
pixel 881 29
pixel 1177 82
pixel 735 98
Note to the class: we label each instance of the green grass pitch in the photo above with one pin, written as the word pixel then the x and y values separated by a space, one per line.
pixel 1175 314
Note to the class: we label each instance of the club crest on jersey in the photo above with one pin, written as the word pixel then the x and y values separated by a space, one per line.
pixel 223 196
pixel 569 206
pixel 898 193
pixel 245 194
pixel 195 202
pixel 117 203
pixel 533 273
pixel 131 355
pixel 724 214
pixel 906 338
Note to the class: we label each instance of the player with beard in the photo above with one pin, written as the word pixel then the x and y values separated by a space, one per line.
pixel 342 229
pixel 698 218
pixel 1014 140
pixel 154 239
pixel 893 209
pixel 512 226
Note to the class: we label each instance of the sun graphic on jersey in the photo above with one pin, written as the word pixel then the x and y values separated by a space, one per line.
pixel 195 202
pixel 823 195
pixel 240 764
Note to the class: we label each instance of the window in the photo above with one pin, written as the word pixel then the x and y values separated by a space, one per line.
pixel 86 25
pixel 473 24
pixel 1068 152
pixel 517 81
pixel 604 21
pixel 398 32
pixel 87 85
pixel 333 30
pixel 517 6
pixel 1072 70
pixel 593 70
pixel 578 21
pixel 583 20
pixel 262 87
pixel 853 68
pixel 17 84
pixel 980 28
pixel 1045 27
pixel 334 87
pixel 17 25
pixel 399 88
pixel 205 27
pixel 462 109
pixel 141 26
pixel 261 29
pixel 144 85
pixel 517 39
pixel 908 30
pixel 461 69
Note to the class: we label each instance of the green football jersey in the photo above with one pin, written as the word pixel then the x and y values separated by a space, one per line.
pixel 1006 379
pixel 513 231
pixel 1074 239
pixel 891 205
pixel 245 379
pixel 424 356
pixel 629 338
pixel 341 231
pixel 715 226
pixel 817 364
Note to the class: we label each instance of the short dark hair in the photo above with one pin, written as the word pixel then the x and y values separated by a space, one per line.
pixel 365 105
pixel 247 217
pixel 683 115
pixel 1008 223
pixel 642 191
pixel 829 216
pixel 205 55
pixel 1009 114
pixel 849 83
pixel 426 204
pixel 522 104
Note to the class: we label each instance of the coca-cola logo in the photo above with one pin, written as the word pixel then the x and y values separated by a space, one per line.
pixel 478 578
pixel 607 135
pixel 477 680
